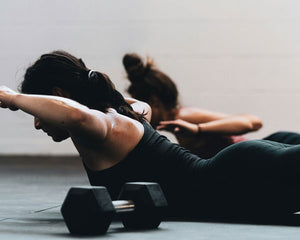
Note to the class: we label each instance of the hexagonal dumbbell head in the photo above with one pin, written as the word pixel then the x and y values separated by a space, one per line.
pixel 88 210
pixel 150 205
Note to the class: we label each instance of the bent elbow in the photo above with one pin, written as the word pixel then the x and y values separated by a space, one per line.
pixel 253 123
pixel 256 123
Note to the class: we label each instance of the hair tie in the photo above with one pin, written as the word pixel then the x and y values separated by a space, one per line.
pixel 90 73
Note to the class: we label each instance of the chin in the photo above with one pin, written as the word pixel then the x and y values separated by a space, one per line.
pixel 57 139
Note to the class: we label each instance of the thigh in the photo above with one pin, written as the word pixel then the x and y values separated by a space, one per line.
pixel 253 177
pixel 249 155
pixel 256 163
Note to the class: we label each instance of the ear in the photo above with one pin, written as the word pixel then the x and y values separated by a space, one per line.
pixel 57 91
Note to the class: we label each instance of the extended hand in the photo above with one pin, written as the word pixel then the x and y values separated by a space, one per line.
pixel 6 96
pixel 178 126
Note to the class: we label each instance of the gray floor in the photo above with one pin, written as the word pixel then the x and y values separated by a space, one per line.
pixel 32 189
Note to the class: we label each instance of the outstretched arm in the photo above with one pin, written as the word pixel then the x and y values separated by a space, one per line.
pixel 61 112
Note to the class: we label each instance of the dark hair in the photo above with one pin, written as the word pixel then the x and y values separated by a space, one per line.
pixel 147 81
pixel 61 69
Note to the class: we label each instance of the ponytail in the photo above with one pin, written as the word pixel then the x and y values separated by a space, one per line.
pixel 110 97
pixel 146 81
pixel 88 87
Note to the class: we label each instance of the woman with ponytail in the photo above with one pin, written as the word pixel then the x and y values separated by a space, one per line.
pixel 203 132
pixel 59 73
pixel 117 145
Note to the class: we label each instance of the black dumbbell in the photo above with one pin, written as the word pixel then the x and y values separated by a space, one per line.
pixel 90 210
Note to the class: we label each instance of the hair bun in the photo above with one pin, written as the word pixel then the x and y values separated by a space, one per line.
pixel 134 66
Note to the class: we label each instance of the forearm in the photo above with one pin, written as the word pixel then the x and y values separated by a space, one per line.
pixel 195 122
pixel 56 110
pixel 230 126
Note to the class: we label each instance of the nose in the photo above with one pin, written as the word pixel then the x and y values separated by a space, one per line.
pixel 37 123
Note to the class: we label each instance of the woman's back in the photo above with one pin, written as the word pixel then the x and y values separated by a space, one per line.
pixel 154 159
pixel 98 153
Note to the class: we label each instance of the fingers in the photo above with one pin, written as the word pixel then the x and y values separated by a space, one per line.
pixel 171 123
pixel 168 122
pixel 160 127
pixel 164 124
pixel 166 127
pixel 13 108
pixel 176 130
pixel 3 105
pixel 170 126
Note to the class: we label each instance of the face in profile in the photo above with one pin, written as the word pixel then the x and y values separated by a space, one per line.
pixel 56 133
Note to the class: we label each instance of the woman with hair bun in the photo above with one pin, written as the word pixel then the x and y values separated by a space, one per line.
pixel 202 132
pixel 117 145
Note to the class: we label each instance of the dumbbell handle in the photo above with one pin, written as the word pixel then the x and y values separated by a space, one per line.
pixel 124 206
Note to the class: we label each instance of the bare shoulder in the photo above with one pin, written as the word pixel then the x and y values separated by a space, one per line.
pixel 98 117
pixel 198 115
pixel 91 124
pixel 120 122
pixel 99 114
pixel 107 126
pixel 107 139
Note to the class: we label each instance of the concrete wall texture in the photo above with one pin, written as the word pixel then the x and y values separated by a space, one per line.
pixel 225 55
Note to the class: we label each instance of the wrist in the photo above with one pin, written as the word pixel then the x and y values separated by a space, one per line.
pixel 13 98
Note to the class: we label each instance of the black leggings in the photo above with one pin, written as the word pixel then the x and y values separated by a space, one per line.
pixel 256 177
pixel 284 137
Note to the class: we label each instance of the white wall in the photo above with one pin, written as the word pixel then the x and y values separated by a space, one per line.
pixel 225 55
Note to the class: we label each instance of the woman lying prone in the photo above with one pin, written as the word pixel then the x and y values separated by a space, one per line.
pixel 117 145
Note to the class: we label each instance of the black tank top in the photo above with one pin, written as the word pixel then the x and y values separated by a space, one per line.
pixel 240 180
pixel 154 159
